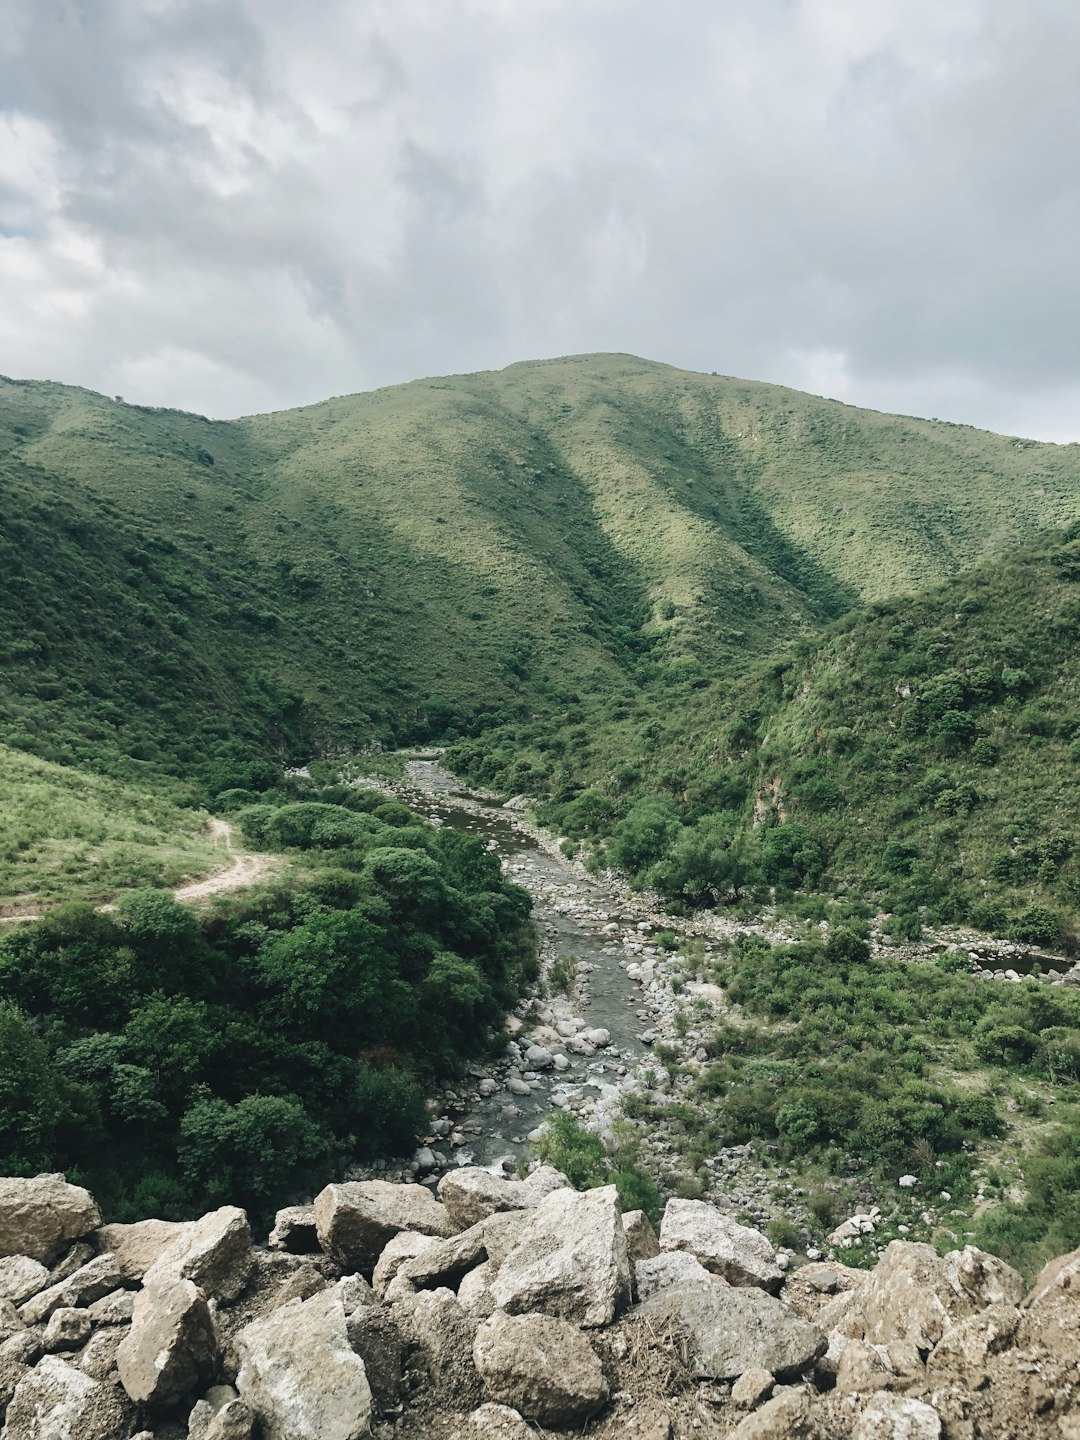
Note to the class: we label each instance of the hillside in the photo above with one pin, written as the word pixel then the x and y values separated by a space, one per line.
pixel 209 597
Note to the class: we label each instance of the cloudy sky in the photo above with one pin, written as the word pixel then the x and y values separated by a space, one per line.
pixel 238 205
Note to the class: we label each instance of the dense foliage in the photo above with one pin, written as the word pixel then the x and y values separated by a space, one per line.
pixel 177 1062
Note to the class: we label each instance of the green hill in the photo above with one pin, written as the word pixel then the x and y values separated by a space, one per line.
pixel 209 597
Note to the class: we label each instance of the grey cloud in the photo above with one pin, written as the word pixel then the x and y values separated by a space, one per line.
pixel 265 204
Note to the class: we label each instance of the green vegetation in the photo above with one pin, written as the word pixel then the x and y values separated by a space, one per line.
pixel 175 1061
pixel 587 1164
pixel 70 834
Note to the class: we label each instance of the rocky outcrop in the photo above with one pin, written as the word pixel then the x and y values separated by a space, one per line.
pixel 517 1324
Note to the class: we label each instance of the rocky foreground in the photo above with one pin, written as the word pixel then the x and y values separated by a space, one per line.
pixel 502 1310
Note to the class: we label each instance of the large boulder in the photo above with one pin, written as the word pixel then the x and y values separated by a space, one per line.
pixel 404 1246
pixel 17 1353
pixel 447 1262
pixel 676 1267
pixel 54 1401
pixel 21 1277
pixel 355 1220
pixel 214 1253
pixel 471 1194
pixel 913 1296
pixel 540 1366
pixel 171 1345
pixel 730 1330
pixel 641 1238
pixel 570 1259
pixel 294 1231
pixel 40 1216
pixel 90 1282
pixel 300 1375
pixel 436 1322
pixel 741 1255
pixel 137 1246
pixel 1062 1274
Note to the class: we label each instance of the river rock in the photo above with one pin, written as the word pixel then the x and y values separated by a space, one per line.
pixel 355 1220
pixel 641 1239
pixel 137 1246
pixel 542 1367
pixel 741 1255
pixel 300 1375
pixel 171 1346
pixel 570 1260
pixel 55 1401
pixel 214 1253
pixel 89 1283
pixel 733 1330
pixel 39 1216
pixel 21 1277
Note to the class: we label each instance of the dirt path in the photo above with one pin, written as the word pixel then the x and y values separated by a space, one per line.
pixel 240 872
pixel 243 871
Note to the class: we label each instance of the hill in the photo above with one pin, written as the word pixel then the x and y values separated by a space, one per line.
pixel 211 598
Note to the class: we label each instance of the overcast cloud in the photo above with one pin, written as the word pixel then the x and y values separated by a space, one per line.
pixel 238 205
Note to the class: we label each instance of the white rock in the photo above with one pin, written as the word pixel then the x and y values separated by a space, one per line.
pixel 741 1255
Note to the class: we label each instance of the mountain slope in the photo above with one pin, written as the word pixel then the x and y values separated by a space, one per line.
pixel 455 552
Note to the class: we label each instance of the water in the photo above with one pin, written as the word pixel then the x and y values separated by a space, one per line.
pixel 570 913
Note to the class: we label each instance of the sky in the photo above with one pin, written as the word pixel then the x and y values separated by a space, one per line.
pixel 241 205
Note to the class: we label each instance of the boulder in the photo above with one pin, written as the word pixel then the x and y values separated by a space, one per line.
pixel 435 1321
pixel 896 1417
pixel 136 1247
pixel 355 1220
pixel 221 1415
pixel 641 1239
pixel 98 1356
pixel 376 1337
pixel 731 1330
pixel 116 1308
pixel 300 1375
pixel 404 1246
pixel 1062 1274
pixel 541 1366
pixel 67 1330
pixel 214 1253
pixel 570 1260
pixel 786 1416
pixel 89 1283
pixel 54 1401
pixel 741 1255
pixel 40 1216
pixel 677 1267
pixel 471 1194
pixel 294 1231
pixel 913 1295
pixel 474 1292
pixel 21 1277
pixel 752 1388
pixel 447 1262
pixel 964 1351
pixel 17 1354
pixel 171 1346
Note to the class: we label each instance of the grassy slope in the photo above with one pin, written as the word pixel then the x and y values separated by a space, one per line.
pixel 498 543
pixel 68 834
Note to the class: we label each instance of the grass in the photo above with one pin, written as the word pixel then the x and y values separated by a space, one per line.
pixel 70 835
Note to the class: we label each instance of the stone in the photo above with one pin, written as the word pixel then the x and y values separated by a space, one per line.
pixel 741 1255
pixel 21 1277
pixel 474 1292
pixel 436 1321
pixel 570 1260
pixel 677 1267
pixel 1062 1274
pixel 404 1246
pixel 17 1354
pixel 733 1330
pixel 136 1247
pixel 55 1401
pixel 67 1330
pixel 964 1351
pixel 752 1388
pixel 300 1375
pixel 40 1216
pixel 98 1357
pixel 89 1283
pixel 913 1295
pixel 542 1367
pixel 376 1337
pixel 355 1220
pixel 896 1417
pixel 116 1308
pixel 787 1416
pixel 860 1370
pixel 214 1253
pixel 171 1346
pixel 10 1320
pixel 221 1415
pixel 447 1262
pixel 294 1231
pixel 494 1422
pixel 470 1194
pixel 304 1282
pixel 641 1239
